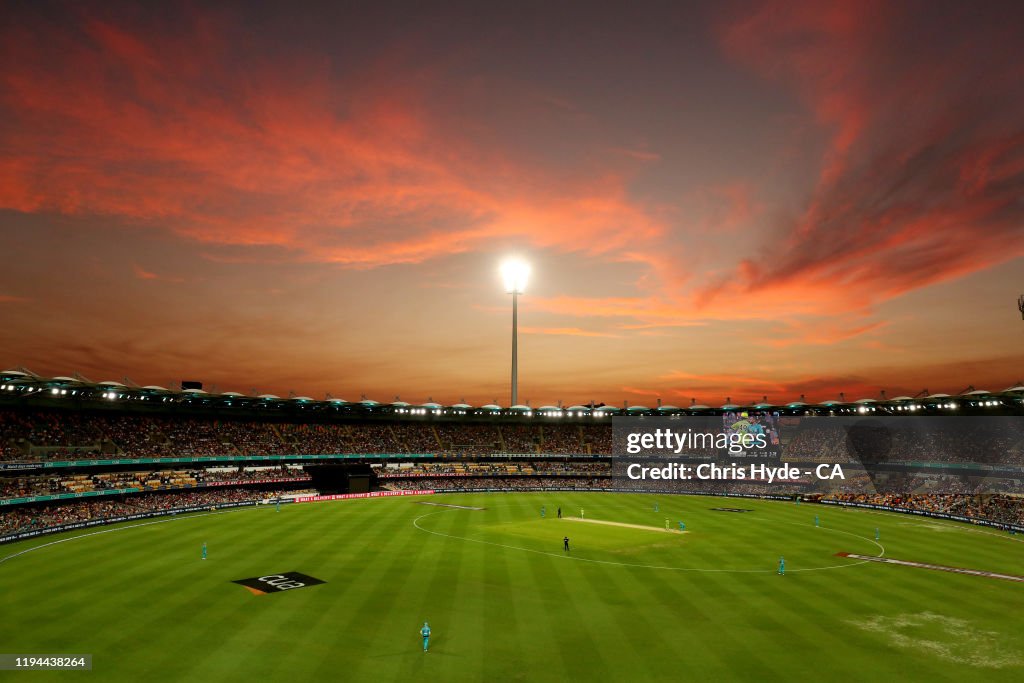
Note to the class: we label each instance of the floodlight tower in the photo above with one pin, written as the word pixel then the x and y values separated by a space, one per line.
pixel 514 272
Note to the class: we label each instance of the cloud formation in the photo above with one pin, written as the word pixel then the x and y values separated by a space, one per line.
pixel 257 154
pixel 922 174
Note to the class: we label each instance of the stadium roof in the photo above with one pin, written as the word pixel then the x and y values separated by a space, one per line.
pixel 17 385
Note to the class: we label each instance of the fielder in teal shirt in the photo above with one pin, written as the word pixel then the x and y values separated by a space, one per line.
pixel 782 566
pixel 425 632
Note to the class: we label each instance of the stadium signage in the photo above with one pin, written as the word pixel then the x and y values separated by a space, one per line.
pixel 278 583
pixel 371 494
pixel 117 492
pixel 63 496
pixel 239 482
pixel 218 458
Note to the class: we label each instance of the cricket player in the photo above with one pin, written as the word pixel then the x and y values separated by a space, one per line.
pixel 656 508
pixel 782 566
pixel 425 632
pixel 581 513
pixel 204 550
pixel 666 524
pixel 565 544
pixel 278 505
pixel 682 527
pixel 559 513
pixel 542 511
pixel 816 521
pixel 876 533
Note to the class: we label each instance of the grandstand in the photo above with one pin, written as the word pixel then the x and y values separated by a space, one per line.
pixel 461 530
pixel 97 451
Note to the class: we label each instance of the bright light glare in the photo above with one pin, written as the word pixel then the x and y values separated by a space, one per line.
pixel 514 273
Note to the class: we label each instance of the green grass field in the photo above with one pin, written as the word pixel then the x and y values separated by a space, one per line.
pixel 506 603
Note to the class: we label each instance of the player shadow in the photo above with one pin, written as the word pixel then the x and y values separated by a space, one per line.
pixel 414 652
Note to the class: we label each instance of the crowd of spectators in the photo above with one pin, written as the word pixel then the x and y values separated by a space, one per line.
pixel 519 438
pixel 505 468
pixel 315 439
pixel 373 437
pixel 21 487
pixel 23 518
pixel 1003 509
pixel 597 438
pixel 128 434
pixel 934 441
pixel 61 435
pixel 468 439
pixel 51 435
pixel 565 438
pixel 497 484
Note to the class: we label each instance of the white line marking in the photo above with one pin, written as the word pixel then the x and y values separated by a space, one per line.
pixel 642 527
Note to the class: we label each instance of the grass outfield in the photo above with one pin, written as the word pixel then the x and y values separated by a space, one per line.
pixel 506 603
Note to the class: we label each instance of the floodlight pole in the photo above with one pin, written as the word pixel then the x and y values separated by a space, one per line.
pixel 515 273
pixel 515 346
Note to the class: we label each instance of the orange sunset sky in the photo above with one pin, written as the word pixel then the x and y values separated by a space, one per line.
pixel 737 199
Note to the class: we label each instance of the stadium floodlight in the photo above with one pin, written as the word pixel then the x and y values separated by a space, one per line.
pixel 515 272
